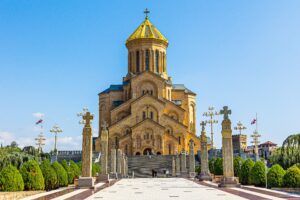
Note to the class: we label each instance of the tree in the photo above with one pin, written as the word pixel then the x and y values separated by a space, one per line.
pixel 75 168
pixel 62 175
pixel 237 164
pixel 275 176
pixel 292 177
pixel 218 166
pixel 258 174
pixel 245 171
pixel 11 179
pixel 289 153
pixel 32 176
pixel 13 144
pixel 50 176
pixel 69 171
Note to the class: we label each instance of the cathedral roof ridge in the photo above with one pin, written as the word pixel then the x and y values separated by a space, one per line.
pixel 147 30
pixel 113 87
pixel 182 87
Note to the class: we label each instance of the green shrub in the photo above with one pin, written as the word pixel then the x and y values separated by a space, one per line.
pixel 11 179
pixel 218 166
pixel 211 165
pixel 237 164
pixel 275 176
pixel 96 168
pixel 75 168
pixel 69 171
pixel 79 164
pixel 49 174
pixel 245 171
pixel 258 174
pixel 292 177
pixel 62 175
pixel 32 176
pixel 298 165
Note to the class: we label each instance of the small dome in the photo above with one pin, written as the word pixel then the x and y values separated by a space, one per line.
pixel 146 30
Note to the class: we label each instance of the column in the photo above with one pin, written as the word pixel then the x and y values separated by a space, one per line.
pixel 173 167
pixel 119 161
pixel 192 160
pixel 177 165
pixel 113 161
pixel 183 161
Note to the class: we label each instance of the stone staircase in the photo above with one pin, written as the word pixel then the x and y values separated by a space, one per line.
pixel 143 165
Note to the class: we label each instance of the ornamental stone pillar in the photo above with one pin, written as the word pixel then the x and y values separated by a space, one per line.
pixel 227 151
pixel 205 174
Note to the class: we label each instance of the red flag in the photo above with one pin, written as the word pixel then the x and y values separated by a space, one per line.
pixel 38 122
pixel 253 121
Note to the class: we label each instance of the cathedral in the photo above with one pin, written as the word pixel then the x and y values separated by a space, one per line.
pixel 148 113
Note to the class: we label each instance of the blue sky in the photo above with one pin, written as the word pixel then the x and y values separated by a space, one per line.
pixel 56 56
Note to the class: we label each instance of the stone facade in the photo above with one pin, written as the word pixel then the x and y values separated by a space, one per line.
pixel 147 112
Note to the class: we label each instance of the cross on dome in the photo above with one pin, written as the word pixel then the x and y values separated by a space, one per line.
pixel 146 12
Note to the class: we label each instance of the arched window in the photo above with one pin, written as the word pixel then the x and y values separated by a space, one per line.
pixel 144 115
pixel 179 140
pixel 147 60
pixel 151 115
pixel 130 61
pixel 137 61
pixel 157 61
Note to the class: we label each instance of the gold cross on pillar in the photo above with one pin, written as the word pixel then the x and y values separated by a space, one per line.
pixel 88 117
pixel 225 112
pixel 203 124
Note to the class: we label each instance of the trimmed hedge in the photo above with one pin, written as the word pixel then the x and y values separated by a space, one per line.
pixel 69 171
pixel 75 168
pixel 237 165
pixel 96 168
pixel 50 176
pixel 62 175
pixel 11 180
pixel 211 165
pixel 218 166
pixel 32 176
pixel 292 177
pixel 245 171
pixel 258 174
pixel 275 176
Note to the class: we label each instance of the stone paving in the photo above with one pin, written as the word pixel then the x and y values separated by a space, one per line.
pixel 163 189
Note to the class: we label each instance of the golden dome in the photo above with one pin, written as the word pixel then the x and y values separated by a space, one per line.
pixel 146 30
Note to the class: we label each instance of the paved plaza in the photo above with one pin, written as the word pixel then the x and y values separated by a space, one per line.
pixel 179 188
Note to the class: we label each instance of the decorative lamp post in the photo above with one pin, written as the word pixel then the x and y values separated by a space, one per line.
pixel 56 129
pixel 240 127
pixel 211 113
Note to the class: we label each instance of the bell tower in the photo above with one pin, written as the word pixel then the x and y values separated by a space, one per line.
pixel 147 50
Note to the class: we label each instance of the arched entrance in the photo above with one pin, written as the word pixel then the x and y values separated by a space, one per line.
pixel 147 151
pixel 138 154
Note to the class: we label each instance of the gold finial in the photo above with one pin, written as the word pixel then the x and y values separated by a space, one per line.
pixel 146 12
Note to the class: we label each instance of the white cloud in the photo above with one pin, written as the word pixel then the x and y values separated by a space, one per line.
pixel 38 115
pixel 6 137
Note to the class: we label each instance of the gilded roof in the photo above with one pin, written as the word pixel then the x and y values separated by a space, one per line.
pixel 146 30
